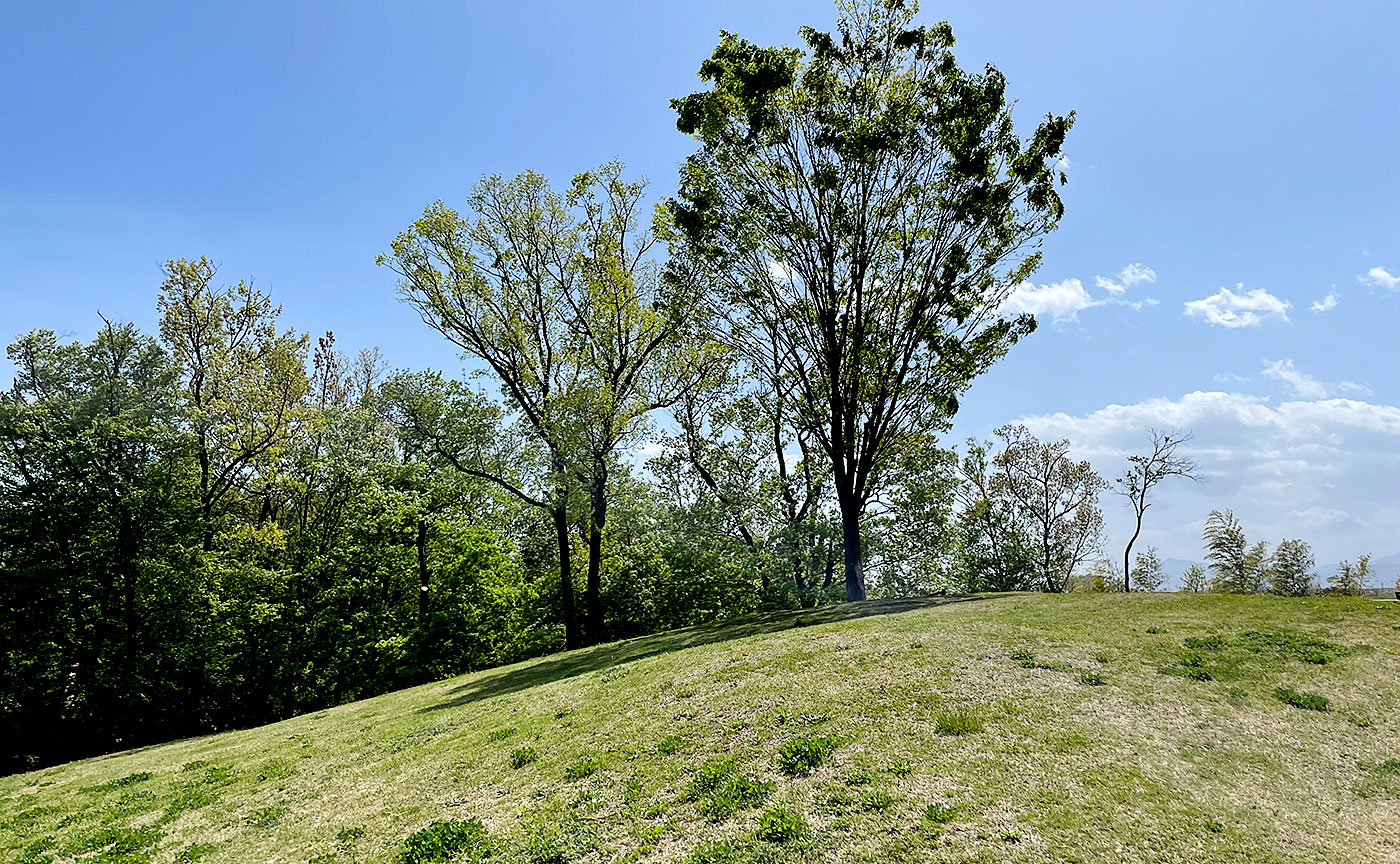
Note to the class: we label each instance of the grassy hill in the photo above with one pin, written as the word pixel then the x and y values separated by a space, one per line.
pixel 1093 728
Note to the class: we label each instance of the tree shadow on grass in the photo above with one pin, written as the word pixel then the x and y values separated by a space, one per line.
pixel 584 660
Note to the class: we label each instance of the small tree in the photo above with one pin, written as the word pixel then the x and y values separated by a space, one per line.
pixel 1236 567
pixel 1292 572
pixel 1141 477
pixel 1147 572
pixel 1194 580
pixel 1350 579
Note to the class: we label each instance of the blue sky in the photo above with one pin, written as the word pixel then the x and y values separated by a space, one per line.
pixel 1232 167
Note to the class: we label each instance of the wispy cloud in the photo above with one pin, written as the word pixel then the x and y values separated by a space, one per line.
pixel 1127 277
pixel 1247 309
pixel 1304 386
pixel 1379 277
pixel 1063 301
pixel 1326 303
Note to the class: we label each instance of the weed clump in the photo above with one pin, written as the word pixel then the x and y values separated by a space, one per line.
pixel 450 840
pixel 1306 701
pixel 876 800
pixel 500 734
pixel 723 791
pixel 1092 679
pixel 779 825
pixel 900 768
pixel 522 756
pixel 584 766
pixel 1024 657
pixel 669 745
pixel 803 755
pixel 940 814
pixel 959 721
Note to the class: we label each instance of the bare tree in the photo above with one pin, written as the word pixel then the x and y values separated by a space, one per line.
pixel 1143 474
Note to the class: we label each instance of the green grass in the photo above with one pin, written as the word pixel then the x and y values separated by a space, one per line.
pixel 884 732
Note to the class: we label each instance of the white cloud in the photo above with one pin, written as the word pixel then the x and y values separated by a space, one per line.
pixel 1326 303
pixel 1229 378
pixel 1304 386
pixel 1060 300
pixel 1248 309
pixel 1127 277
pixel 1379 277
pixel 1291 469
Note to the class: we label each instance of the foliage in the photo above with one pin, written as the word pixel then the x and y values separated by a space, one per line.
pixel 1350 579
pixel 863 207
pixel 1306 701
pixel 1031 502
pixel 450 840
pixel 723 790
pixel 780 825
pixel 1148 574
pixel 803 755
pixel 1291 572
pixel 1235 566
pixel 1194 579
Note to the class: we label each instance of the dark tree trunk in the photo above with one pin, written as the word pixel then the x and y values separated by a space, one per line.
pixel 572 637
pixel 598 517
pixel 851 549
pixel 1127 571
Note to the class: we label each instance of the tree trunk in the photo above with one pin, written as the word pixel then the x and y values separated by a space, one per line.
pixel 560 512
pixel 423 573
pixel 1127 568
pixel 850 544
pixel 597 518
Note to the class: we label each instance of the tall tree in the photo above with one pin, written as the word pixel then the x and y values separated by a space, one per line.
pixel 559 295
pixel 870 203
pixel 95 504
pixel 243 378
pixel 1141 477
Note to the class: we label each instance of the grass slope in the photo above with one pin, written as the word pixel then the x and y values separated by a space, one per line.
pixel 1001 728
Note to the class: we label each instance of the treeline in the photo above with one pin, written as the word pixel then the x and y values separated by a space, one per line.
pixel 728 404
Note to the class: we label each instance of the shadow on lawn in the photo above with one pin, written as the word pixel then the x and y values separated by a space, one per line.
pixel 572 663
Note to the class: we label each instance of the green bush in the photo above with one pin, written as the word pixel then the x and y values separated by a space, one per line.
pixel 444 841
pixel 803 755
pixel 723 791
pixel 669 745
pixel 959 721
pixel 584 766
pixel 522 756
pixel 940 814
pixel 778 825
pixel 1306 701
